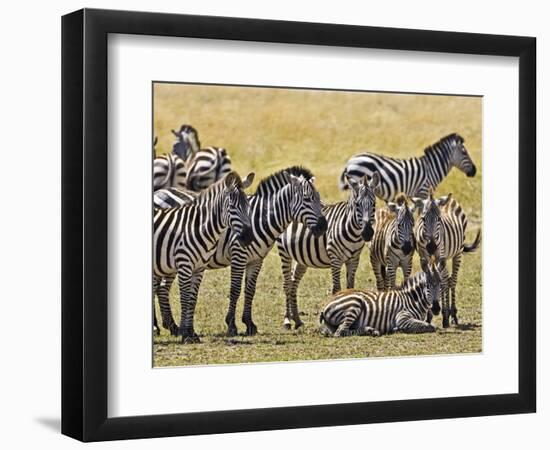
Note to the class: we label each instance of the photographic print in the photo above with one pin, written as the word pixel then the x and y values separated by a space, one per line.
pixel 294 224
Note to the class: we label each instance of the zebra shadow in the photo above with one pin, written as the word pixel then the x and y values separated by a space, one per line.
pixel 467 326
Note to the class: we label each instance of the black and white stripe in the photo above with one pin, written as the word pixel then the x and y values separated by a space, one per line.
pixel 375 313
pixel 172 198
pixel 349 227
pixel 283 197
pixel 188 166
pixel 415 176
pixel 185 238
pixel 440 234
pixel 392 245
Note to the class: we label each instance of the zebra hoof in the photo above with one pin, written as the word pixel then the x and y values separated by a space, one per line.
pixel 174 330
pixel 156 330
pixel 445 322
pixel 251 330
pixel 287 326
pixel 194 339
pixel 298 325
pixel 232 331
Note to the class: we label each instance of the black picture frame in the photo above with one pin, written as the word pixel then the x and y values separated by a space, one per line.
pixel 84 224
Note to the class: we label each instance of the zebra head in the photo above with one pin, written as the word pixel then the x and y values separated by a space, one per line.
pixel 432 273
pixel 430 224
pixel 187 142
pixel 404 226
pixel 235 212
pixel 362 202
pixel 460 158
pixel 305 206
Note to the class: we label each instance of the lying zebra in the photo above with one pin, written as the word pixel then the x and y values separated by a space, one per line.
pixel 375 313
pixel 188 166
pixel 414 176
pixel 349 227
pixel 392 245
pixel 440 235
pixel 281 198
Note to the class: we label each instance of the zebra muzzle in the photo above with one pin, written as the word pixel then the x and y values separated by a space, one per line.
pixel 436 308
pixel 407 248
pixel 472 172
pixel 368 232
pixel 431 247
pixel 320 227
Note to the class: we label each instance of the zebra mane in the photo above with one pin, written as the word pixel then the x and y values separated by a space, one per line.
pixel 276 179
pixel 412 283
pixel 451 137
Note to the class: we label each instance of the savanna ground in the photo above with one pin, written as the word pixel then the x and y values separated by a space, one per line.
pixel 265 130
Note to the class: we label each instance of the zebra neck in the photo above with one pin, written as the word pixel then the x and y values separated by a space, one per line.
pixel 415 293
pixel 275 213
pixel 437 162
pixel 209 205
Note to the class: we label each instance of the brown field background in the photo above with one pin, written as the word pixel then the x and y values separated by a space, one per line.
pixel 265 130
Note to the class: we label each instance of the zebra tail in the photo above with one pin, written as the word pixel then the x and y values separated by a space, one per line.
pixel 322 317
pixel 474 245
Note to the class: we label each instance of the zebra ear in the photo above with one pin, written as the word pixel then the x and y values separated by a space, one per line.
pixel 247 182
pixel 155 141
pixel 352 182
pixel 374 180
pixel 174 133
pixel 418 203
pixel 392 207
pixel 312 180
pixel 442 201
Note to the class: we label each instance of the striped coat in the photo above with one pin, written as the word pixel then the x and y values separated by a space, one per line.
pixel 185 238
pixel 376 313
pixel 392 245
pixel 413 176
pixel 440 234
pixel 349 227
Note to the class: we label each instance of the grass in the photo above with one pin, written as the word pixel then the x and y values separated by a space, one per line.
pixel 265 130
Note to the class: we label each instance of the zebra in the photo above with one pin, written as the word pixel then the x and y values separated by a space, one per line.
pixel 188 166
pixel 375 313
pixel 170 170
pixel 349 227
pixel 414 176
pixel 392 245
pixel 440 234
pixel 285 196
pixel 185 238
pixel 172 197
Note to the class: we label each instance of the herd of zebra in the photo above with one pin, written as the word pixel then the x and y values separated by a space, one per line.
pixel 203 219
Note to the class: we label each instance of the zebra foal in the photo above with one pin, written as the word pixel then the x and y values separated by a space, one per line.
pixel 349 226
pixel 392 245
pixel 414 176
pixel 376 313
pixel 185 238
pixel 440 234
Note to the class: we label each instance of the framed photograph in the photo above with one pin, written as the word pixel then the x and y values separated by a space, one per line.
pixel 273 224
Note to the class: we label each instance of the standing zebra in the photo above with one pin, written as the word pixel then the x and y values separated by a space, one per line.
pixel 349 227
pixel 414 176
pixel 392 245
pixel 188 166
pixel 376 313
pixel 185 238
pixel 440 234
pixel 170 170
pixel 283 197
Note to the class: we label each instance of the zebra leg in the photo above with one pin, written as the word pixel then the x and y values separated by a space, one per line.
pixel 187 301
pixel 344 329
pixel 445 311
pixel 351 269
pixel 370 331
pixel 454 279
pixel 377 269
pixel 336 268
pixel 238 264
pixel 389 279
pixel 406 267
pixel 297 275
pixel 163 294
pixel 408 324
pixel 286 266
pixel 156 328
pixel 252 272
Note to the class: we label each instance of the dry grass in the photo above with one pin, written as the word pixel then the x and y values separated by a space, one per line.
pixel 265 130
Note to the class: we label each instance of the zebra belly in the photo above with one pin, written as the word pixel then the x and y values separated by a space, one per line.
pixel 301 245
